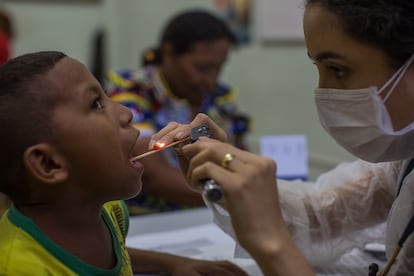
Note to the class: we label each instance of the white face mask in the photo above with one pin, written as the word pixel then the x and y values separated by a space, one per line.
pixel 359 121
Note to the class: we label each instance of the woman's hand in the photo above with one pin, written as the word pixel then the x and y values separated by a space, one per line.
pixel 249 185
pixel 177 132
pixel 250 195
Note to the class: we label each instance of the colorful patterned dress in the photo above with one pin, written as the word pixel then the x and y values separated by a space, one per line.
pixel 153 106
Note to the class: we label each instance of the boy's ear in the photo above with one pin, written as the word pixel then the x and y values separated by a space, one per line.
pixel 45 164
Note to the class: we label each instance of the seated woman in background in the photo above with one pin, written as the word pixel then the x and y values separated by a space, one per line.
pixel 178 80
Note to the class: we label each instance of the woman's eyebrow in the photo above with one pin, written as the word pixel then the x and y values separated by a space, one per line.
pixel 326 55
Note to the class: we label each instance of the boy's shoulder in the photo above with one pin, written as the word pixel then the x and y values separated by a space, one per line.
pixel 22 242
pixel 18 247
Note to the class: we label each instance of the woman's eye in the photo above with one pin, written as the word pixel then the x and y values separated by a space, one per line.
pixel 337 71
pixel 97 104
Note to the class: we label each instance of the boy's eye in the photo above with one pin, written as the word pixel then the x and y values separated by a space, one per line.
pixel 97 104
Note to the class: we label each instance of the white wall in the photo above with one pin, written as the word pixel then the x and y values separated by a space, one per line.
pixel 140 25
pixel 275 81
pixel 64 27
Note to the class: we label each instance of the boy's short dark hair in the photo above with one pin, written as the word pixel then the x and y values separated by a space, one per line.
pixel 26 108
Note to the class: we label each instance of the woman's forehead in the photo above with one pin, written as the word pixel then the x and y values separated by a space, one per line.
pixel 324 34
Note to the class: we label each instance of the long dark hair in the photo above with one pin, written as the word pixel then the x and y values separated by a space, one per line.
pixel 187 28
pixel 384 24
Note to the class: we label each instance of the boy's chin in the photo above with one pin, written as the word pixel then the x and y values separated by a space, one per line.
pixel 136 191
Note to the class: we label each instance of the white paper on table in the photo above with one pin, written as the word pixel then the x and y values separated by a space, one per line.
pixel 206 241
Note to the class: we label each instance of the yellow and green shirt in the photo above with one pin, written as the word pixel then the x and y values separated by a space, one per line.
pixel 26 250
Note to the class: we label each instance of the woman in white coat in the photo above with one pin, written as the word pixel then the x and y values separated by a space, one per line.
pixel 363 50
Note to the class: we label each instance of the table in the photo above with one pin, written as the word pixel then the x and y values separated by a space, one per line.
pixel 192 233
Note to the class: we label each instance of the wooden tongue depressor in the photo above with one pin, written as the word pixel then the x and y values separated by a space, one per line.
pixel 211 190
pixel 163 147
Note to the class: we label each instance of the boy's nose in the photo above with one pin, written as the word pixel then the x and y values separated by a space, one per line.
pixel 125 115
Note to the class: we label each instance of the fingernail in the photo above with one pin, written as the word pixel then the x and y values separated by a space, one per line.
pixel 151 144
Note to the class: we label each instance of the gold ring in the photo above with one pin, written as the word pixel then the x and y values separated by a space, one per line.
pixel 227 159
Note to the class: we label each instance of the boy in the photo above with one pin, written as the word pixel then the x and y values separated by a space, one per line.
pixel 65 166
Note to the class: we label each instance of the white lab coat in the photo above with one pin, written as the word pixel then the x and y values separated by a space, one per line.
pixel 326 227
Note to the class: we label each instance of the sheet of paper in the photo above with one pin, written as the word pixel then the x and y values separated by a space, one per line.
pixel 289 151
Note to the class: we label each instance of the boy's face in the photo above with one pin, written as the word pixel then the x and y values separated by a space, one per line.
pixel 93 134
